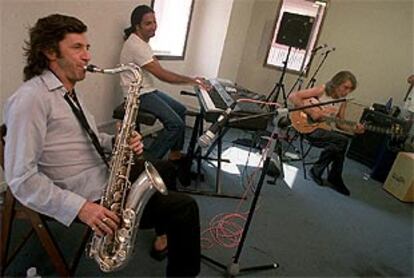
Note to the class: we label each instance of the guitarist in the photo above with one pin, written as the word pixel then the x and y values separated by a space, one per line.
pixel 333 143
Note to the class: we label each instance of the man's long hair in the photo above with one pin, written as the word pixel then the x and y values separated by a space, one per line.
pixel 136 18
pixel 45 36
pixel 340 78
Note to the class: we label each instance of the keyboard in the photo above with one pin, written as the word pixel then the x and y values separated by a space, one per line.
pixel 224 94
pixel 217 100
pixel 220 92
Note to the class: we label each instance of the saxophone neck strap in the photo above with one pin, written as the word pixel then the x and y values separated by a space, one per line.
pixel 84 123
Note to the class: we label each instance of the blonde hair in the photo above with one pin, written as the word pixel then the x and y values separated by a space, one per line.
pixel 340 78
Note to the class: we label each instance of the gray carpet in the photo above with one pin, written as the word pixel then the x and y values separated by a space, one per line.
pixel 308 230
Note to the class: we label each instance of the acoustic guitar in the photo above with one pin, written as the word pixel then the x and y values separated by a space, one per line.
pixel 304 124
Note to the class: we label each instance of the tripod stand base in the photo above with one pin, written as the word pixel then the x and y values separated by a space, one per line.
pixel 233 269
pixel 211 194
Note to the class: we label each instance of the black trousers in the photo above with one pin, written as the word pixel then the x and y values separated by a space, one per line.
pixel 177 215
pixel 334 147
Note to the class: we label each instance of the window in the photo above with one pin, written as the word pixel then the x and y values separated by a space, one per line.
pixel 173 20
pixel 295 34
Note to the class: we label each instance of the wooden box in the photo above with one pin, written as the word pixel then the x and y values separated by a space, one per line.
pixel 400 180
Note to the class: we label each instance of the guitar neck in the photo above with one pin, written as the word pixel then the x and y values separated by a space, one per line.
pixel 376 129
pixel 339 121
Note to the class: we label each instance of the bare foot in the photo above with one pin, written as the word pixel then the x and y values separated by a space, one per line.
pixel 160 242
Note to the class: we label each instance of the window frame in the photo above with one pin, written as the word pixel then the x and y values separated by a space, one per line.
pixel 304 68
pixel 184 50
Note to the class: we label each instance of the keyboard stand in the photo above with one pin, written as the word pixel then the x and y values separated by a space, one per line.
pixel 196 153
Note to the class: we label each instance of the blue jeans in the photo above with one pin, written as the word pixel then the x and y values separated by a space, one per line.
pixel 171 114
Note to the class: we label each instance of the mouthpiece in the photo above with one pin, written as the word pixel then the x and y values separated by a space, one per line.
pixel 92 68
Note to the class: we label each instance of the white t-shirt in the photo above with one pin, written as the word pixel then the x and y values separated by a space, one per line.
pixel 409 102
pixel 137 51
pixel 325 98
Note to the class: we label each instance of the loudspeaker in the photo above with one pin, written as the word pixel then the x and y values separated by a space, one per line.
pixel 295 30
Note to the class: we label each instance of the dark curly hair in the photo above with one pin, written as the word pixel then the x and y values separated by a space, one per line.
pixel 136 18
pixel 46 35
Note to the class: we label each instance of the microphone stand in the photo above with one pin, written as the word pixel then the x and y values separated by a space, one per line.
pixel 299 80
pixel 233 268
pixel 312 81
pixel 279 86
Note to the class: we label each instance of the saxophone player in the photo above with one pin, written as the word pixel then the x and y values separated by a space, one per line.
pixel 56 166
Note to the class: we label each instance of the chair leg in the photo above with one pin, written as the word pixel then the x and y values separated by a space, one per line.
pixel 194 136
pixel 85 238
pixel 303 155
pixel 290 139
pixel 6 222
pixel 48 242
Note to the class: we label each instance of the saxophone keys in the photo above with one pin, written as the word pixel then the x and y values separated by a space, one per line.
pixel 116 207
pixel 117 197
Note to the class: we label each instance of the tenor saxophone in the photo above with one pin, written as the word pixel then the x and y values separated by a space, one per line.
pixel 122 197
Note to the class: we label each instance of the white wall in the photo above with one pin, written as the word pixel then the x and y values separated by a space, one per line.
pixel 205 45
pixel 106 20
pixel 236 37
pixel 228 38
pixel 373 38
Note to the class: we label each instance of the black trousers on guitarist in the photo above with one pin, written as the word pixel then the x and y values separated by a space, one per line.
pixel 334 147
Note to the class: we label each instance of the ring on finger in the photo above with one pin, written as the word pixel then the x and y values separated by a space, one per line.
pixel 105 219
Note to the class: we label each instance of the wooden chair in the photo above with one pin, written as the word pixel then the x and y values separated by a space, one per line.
pixel 305 148
pixel 13 210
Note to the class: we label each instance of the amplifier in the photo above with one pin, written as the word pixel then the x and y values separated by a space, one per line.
pixel 366 147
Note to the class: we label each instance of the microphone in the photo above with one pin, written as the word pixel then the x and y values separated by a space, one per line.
pixel 316 49
pixel 330 49
pixel 205 140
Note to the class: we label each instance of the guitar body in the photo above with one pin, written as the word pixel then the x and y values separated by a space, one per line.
pixel 304 124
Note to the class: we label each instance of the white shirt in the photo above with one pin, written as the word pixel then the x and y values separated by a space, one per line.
pixel 326 98
pixel 409 102
pixel 136 51
pixel 51 164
